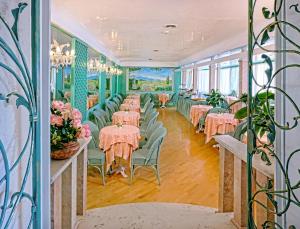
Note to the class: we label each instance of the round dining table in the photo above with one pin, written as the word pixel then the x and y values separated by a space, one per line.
pixel 198 111
pixel 132 101
pixel 118 141
pixel 129 107
pixel 163 98
pixel 219 124
pixel 134 96
pixel 126 118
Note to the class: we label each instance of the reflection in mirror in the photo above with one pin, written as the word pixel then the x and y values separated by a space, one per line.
pixel 94 69
pixel 108 85
pixel 61 57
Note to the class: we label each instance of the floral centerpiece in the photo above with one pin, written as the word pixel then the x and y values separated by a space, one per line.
pixel 66 128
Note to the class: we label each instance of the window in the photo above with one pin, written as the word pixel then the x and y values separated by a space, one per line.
pixel 259 68
pixel 228 78
pixel 189 78
pixel 203 79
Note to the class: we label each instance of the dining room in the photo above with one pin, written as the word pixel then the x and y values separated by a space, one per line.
pixel 154 114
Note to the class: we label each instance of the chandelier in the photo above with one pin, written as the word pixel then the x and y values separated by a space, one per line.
pixel 95 66
pixel 60 56
pixel 111 70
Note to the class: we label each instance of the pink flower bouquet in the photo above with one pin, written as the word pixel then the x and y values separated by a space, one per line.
pixel 65 125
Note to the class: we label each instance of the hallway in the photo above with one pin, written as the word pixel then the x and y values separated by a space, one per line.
pixel 189 172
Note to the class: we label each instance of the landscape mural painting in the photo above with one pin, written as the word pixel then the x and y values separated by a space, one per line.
pixel 150 79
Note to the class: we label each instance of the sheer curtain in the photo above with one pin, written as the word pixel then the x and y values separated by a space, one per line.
pixel 203 79
pixel 189 79
pixel 228 79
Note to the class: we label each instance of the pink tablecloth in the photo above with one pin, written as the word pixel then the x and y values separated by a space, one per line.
pixel 132 101
pixel 234 108
pixel 119 141
pixel 219 124
pixel 197 111
pixel 133 96
pixel 129 107
pixel 163 98
pixel 126 118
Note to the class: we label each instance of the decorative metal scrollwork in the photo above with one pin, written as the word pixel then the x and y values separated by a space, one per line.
pixel 261 120
pixel 19 70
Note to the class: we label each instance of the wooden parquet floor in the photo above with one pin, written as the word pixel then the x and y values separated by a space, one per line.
pixel 189 172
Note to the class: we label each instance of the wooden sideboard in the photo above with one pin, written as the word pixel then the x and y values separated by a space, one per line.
pixel 68 188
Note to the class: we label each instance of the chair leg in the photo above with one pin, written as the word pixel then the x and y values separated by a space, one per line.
pixel 157 174
pixel 103 174
pixel 131 173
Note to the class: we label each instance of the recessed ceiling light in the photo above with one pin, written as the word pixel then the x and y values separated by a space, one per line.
pixel 170 26
pixel 101 18
pixel 150 59
pixel 155 50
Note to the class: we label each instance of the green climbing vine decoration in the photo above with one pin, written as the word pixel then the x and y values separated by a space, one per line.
pixel 18 69
pixel 261 118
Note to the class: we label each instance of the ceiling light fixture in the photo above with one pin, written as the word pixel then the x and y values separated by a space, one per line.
pixel 155 50
pixel 170 26
pixel 60 55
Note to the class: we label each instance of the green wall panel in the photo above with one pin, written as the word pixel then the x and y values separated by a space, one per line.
pixel 59 84
pixel 177 80
pixel 113 85
pixel 102 83
pixel 79 77
pixel 122 82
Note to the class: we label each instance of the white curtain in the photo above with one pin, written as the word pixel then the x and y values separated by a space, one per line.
pixel 189 79
pixel 228 79
pixel 203 79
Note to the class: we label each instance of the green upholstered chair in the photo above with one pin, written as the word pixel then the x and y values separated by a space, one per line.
pixel 105 115
pixel 96 157
pixel 116 100
pixel 148 155
pixel 120 97
pixel 149 119
pixel 212 110
pixel 99 120
pixel 146 105
pixel 150 129
pixel 173 100
pixel 149 108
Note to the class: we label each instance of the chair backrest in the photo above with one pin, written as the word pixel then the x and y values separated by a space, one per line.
pixel 109 108
pixel 153 147
pixel 101 112
pixel 150 113
pixel 94 143
pixel 151 128
pixel 146 104
pixel 116 100
pixel 218 110
pixel 100 121
pixel 120 97
pixel 152 116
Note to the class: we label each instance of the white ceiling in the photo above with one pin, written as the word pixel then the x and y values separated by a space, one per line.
pixel 131 29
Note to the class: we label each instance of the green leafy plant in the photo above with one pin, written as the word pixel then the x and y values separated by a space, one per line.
pixel 215 98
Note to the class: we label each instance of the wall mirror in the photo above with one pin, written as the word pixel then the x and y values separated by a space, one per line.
pixel 94 69
pixel 61 59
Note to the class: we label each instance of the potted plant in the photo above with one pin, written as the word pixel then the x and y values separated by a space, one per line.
pixel 65 128
pixel 215 98
pixel 263 112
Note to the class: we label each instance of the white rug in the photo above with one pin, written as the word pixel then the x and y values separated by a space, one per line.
pixel 155 216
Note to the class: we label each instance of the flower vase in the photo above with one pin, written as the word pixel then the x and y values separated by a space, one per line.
pixel 68 150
